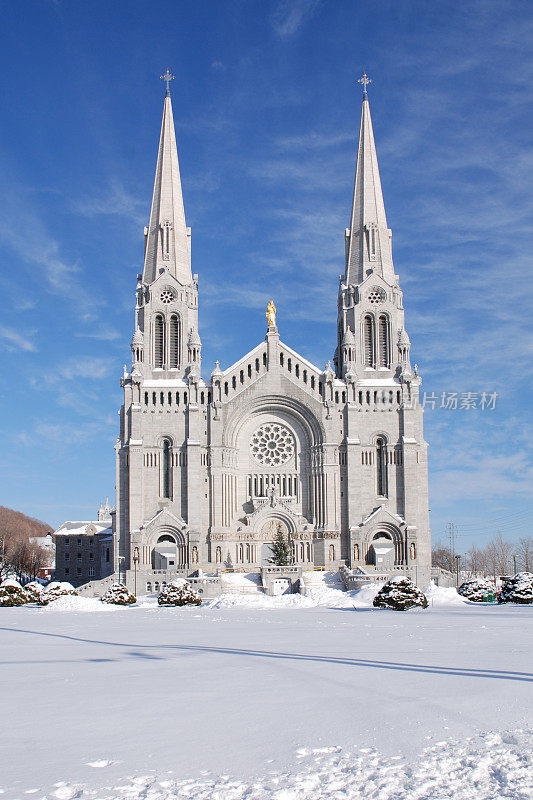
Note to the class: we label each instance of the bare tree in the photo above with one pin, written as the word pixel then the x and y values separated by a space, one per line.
pixel 499 554
pixel 443 557
pixel 524 551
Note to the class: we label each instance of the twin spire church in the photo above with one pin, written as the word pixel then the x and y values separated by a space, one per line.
pixel 210 467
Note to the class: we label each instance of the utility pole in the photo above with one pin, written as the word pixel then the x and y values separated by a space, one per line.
pixel 458 559
pixel 451 530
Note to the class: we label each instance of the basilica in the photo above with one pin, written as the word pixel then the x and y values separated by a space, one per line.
pixel 210 467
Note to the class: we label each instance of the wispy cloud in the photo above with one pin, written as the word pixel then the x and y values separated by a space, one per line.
pixel 115 201
pixel 289 16
pixel 12 339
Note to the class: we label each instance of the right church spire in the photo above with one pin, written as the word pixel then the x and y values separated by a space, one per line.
pixel 368 239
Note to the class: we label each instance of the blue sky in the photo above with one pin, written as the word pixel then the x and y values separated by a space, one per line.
pixel 267 111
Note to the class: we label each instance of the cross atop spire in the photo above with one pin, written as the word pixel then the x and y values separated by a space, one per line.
pixel 167 77
pixel 365 80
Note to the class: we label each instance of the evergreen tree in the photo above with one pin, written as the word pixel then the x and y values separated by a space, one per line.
pixel 281 550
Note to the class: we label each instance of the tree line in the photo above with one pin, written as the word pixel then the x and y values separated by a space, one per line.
pixel 498 557
pixel 18 554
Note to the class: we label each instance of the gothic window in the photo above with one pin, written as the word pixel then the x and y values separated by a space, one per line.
pixel 174 342
pixel 249 370
pixel 312 381
pixel 257 365
pixel 368 340
pixel 381 464
pixel 159 341
pixel 383 341
pixel 167 469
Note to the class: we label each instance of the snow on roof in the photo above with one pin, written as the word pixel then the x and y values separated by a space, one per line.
pixel 74 528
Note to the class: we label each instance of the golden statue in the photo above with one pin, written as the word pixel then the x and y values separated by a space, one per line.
pixel 271 314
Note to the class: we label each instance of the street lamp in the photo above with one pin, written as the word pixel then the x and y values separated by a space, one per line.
pixel 135 562
pixel 457 558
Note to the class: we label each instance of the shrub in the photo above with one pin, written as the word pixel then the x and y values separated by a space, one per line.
pixel 118 595
pixel 477 589
pixel 54 590
pixel 12 595
pixel 33 591
pixel 179 594
pixel 518 589
pixel 400 594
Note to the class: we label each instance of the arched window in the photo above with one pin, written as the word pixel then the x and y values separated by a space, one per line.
pixel 167 469
pixel 368 340
pixel 174 347
pixel 381 465
pixel 383 341
pixel 159 341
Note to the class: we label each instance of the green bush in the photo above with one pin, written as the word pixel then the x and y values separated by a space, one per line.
pixel 33 591
pixel 179 594
pixel 118 595
pixel 400 594
pixel 519 589
pixel 477 589
pixel 11 595
pixel 54 590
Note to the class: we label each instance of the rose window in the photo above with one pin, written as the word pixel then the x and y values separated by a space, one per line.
pixel 166 296
pixel 272 444
pixel 376 295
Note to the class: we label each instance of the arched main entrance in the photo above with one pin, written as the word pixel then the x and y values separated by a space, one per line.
pixel 170 552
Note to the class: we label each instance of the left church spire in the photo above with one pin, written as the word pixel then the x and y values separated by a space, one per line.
pixel 167 238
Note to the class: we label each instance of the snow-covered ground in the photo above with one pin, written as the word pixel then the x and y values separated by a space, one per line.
pixel 288 698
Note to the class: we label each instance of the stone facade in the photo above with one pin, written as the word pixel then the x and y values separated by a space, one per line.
pixel 209 469
pixel 84 551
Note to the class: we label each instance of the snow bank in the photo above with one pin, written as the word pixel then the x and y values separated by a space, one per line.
pixel 443 596
pixel 488 766
pixel 248 580
pixel 70 602
pixel 260 600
